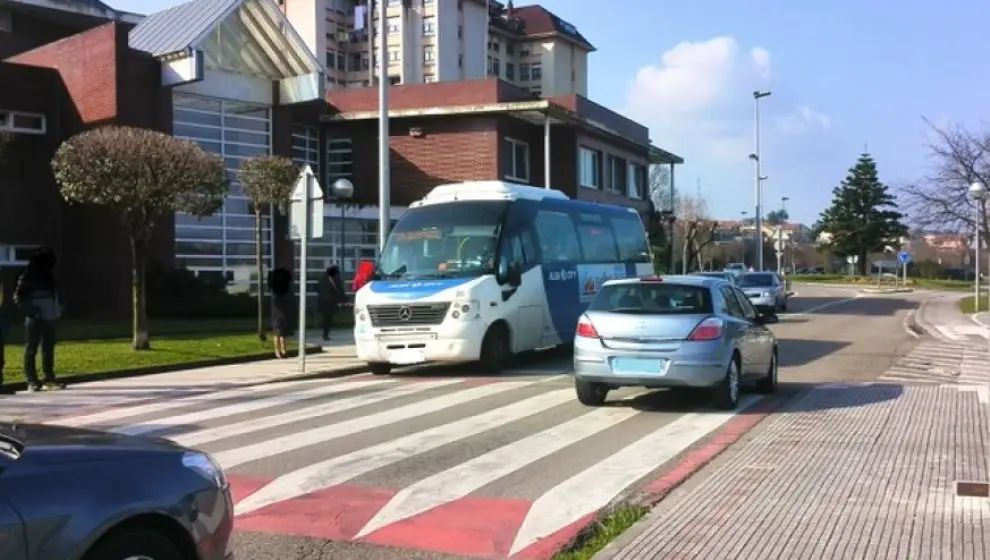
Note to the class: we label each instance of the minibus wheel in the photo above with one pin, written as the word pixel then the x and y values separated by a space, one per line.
pixel 380 368
pixel 496 349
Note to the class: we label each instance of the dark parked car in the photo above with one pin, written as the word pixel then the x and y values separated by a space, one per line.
pixel 72 494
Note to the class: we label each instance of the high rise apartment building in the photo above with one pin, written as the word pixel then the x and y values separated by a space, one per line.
pixel 444 40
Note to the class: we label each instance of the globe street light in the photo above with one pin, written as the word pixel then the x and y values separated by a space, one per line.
pixel 341 191
pixel 978 191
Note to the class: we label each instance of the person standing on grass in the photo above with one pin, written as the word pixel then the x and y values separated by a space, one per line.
pixel 37 293
pixel 5 311
pixel 280 285
pixel 330 292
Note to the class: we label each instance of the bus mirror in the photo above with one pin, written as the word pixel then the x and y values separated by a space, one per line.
pixel 515 276
pixel 502 272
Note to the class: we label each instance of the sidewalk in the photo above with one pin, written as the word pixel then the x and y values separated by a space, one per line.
pixel 940 316
pixel 846 471
pixel 338 358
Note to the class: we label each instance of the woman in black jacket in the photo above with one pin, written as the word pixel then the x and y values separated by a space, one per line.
pixel 280 284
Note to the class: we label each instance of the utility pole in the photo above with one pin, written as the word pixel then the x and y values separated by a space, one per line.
pixel 758 186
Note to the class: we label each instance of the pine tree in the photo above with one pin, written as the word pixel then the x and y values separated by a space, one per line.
pixel 863 218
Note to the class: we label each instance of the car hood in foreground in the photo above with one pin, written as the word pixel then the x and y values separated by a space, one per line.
pixel 44 442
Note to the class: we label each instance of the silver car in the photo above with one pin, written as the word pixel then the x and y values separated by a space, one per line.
pixel 724 275
pixel 673 331
pixel 765 290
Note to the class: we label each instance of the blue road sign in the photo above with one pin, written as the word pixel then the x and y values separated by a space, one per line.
pixel 904 257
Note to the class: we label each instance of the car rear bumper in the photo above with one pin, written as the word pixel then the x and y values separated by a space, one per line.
pixel 676 376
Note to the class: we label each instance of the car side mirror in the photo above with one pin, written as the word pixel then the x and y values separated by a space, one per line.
pixel 502 271
pixel 767 318
pixel 515 275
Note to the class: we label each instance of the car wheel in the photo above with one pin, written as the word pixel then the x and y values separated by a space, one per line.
pixel 137 544
pixel 590 394
pixel 725 395
pixel 380 368
pixel 783 306
pixel 768 384
pixel 496 350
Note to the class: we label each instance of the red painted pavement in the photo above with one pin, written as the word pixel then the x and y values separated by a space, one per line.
pixel 478 527
pixel 554 542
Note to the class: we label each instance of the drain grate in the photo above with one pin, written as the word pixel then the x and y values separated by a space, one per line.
pixel 972 489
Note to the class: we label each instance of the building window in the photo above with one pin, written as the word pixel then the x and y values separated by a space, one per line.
pixel 428 2
pixel 616 174
pixel 16 255
pixel 429 78
pixel 306 146
pixel 394 26
pixel 590 168
pixel 510 71
pixel 460 61
pixel 510 48
pixel 341 61
pixel 429 54
pixel 536 90
pixel 429 26
pixel 637 181
pixel 536 70
pixel 340 159
pixel 23 123
pixel 460 31
pixel 494 67
pixel 524 52
pixel 331 59
pixel 393 56
pixel 524 71
pixel 515 160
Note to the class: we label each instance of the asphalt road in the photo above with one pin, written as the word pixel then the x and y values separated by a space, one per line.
pixel 444 463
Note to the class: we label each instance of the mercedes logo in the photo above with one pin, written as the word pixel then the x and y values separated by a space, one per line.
pixel 405 314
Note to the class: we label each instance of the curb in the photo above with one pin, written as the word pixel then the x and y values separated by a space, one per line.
pixel 887 290
pixel 318 374
pixel 686 465
pixel 169 368
pixel 693 460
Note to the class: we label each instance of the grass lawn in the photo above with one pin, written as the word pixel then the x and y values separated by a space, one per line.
pixel 926 283
pixel 968 305
pixel 78 357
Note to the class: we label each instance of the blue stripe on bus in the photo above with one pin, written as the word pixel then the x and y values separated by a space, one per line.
pixel 569 288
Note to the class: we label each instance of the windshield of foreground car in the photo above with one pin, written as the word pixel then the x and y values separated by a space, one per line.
pixel 760 280
pixel 649 298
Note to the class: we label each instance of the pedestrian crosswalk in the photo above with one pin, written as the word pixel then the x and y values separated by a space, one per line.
pixel 937 361
pixel 492 467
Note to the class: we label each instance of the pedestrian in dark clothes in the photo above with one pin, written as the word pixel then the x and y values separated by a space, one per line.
pixel 37 294
pixel 330 294
pixel 280 285
pixel 6 310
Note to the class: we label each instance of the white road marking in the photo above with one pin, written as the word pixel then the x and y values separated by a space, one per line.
pixel 193 418
pixel 325 474
pixel 825 306
pixel 323 434
pixel 593 488
pixel 905 325
pixel 199 437
pixel 116 414
pixel 459 481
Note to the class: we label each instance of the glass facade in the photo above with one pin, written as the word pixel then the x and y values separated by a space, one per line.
pixel 223 244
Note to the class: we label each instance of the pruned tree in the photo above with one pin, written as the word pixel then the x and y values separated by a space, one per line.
pixel 863 217
pixel 144 176
pixel 268 181
pixel 776 217
pixel 940 199
pixel 695 230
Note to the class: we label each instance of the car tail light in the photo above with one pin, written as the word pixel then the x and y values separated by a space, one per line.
pixel 652 280
pixel 709 329
pixel 585 329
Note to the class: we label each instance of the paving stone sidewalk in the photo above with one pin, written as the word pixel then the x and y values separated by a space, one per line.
pixel 846 471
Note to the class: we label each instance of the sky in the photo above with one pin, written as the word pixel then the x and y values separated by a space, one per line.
pixel 845 75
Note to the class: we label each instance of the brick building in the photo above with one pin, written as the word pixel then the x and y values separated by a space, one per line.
pixel 175 71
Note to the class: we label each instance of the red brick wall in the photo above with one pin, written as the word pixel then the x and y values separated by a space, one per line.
pixel 103 82
pixel 418 96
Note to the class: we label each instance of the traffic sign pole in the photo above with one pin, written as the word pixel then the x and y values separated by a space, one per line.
pixel 306 220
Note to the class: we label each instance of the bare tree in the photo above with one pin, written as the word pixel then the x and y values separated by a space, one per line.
pixel 145 176
pixel 267 181
pixel 696 232
pixel 940 199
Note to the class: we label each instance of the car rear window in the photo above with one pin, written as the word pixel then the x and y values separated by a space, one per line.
pixel 754 280
pixel 653 299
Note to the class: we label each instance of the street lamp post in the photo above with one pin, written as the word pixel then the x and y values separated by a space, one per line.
pixel 341 191
pixel 755 156
pixel 779 244
pixel 978 191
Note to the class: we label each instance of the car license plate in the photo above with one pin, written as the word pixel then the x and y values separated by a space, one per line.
pixel 642 366
pixel 406 357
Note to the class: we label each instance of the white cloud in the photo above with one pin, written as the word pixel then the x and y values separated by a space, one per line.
pixel 696 101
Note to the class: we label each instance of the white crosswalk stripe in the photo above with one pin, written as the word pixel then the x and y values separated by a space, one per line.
pixel 936 361
pixel 445 439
